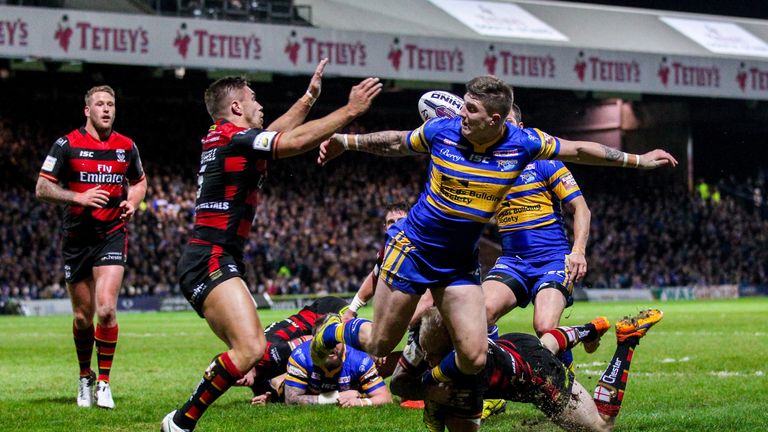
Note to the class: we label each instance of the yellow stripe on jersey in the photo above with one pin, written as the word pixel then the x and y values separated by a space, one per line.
pixel 548 145
pixel 455 212
pixel 297 366
pixel 293 379
pixel 509 175
pixel 567 185
pixel 522 188
pixel 559 173
pixel 525 210
pixel 366 387
pixel 394 254
pixel 418 142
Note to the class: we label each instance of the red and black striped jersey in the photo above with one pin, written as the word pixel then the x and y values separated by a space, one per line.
pixel 303 322
pixel 233 165
pixel 81 162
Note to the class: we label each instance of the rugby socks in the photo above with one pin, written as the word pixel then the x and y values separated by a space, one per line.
pixel 348 333
pixel 220 375
pixel 610 389
pixel 446 371
pixel 493 332
pixel 84 339
pixel 568 336
pixel 106 341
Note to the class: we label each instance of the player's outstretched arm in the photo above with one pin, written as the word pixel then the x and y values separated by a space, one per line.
pixel 592 153
pixel 364 293
pixel 385 143
pixel 298 112
pixel 46 190
pixel 309 135
pixel 576 260
pixel 296 396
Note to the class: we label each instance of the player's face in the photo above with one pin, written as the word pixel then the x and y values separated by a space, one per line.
pixel 476 121
pixel 334 358
pixel 393 216
pixel 251 109
pixel 100 111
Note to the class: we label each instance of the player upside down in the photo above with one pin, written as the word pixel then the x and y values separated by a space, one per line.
pixel 523 368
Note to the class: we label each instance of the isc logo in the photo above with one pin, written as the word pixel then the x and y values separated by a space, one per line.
pixel 479 158
pixel 86 153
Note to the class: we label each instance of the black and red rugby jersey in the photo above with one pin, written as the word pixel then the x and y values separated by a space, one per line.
pixel 81 162
pixel 233 166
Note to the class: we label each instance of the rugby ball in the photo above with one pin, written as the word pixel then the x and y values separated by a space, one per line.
pixel 438 103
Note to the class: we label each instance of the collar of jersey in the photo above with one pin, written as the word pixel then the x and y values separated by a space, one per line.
pixel 482 148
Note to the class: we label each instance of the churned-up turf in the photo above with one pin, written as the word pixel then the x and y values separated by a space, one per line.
pixel 702 368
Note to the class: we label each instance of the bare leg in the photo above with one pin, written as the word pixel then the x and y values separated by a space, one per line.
pixel 581 413
pixel 547 310
pixel 108 280
pixel 499 300
pixel 463 310
pixel 392 311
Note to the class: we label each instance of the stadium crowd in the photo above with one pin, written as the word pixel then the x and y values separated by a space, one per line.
pixel 325 227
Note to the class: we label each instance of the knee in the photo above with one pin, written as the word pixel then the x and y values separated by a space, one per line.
pixel 473 361
pixel 83 320
pixel 542 327
pixel 107 315
pixel 250 351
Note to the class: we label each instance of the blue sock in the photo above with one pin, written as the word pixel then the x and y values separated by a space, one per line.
pixel 567 358
pixel 493 332
pixel 329 335
pixel 352 332
pixel 446 371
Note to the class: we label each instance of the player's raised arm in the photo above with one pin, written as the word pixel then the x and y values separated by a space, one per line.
pixel 299 110
pixel 385 143
pixel 592 153
pixel 309 135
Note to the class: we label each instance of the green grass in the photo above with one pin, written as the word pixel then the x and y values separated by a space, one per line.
pixel 701 369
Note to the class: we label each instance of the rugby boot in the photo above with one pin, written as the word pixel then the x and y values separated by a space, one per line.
pixel 492 407
pixel 169 426
pixel 592 340
pixel 85 390
pixel 104 395
pixel 637 325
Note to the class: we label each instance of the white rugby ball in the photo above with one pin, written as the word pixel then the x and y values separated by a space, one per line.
pixel 438 103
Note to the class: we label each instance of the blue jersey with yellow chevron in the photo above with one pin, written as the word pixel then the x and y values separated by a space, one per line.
pixel 530 219
pixel 465 185
pixel 357 372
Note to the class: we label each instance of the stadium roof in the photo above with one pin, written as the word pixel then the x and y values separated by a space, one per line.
pixel 585 26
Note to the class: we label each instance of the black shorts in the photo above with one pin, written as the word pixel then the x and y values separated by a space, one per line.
pixel 81 255
pixel 550 386
pixel 203 267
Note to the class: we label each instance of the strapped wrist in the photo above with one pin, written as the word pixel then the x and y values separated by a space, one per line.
pixel 328 398
pixel 308 98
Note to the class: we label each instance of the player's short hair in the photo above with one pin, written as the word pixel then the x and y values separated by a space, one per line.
pixel 96 89
pixel 400 206
pixel 433 332
pixel 515 114
pixel 218 93
pixel 495 95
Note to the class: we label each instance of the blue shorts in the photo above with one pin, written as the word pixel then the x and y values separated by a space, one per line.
pixel 531 276
pixel 412 270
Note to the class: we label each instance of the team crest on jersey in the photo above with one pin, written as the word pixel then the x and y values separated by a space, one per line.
pixel 507 164
pixel 527 177
pixel 120 155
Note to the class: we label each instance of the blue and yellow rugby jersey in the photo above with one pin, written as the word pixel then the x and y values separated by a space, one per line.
pixel 357 372
pixel 530 219
pixel 465 183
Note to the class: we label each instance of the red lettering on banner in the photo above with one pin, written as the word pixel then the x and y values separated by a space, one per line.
pixel 614 71
pixel 113 39
pixel 340 53
pixel 432 59
pixel 227 46
pixel 527 66
pixel 759 79
pixel 13 33
pixel 695 76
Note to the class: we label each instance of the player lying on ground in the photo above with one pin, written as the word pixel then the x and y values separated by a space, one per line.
pixel 523 368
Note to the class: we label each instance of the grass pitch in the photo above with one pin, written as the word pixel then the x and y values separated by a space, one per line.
pixel 701 369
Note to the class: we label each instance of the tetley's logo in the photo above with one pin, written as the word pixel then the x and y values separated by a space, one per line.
pixel 425 58
pixel 598 69
pixel 752 78
pixel 310 50
pixel 678 74
pixel 92 37
pixel 205 44
pixel 13 33
pixel 517 64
